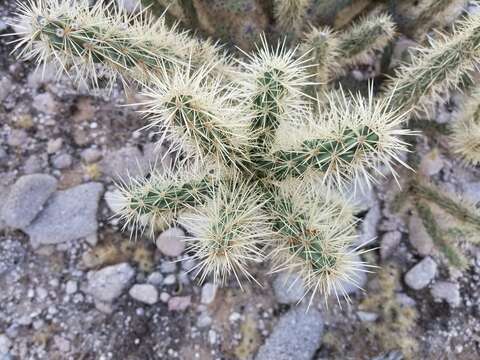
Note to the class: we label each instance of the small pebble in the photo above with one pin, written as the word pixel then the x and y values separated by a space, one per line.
pixel 171 242
pixel 421 274
pixel 145 293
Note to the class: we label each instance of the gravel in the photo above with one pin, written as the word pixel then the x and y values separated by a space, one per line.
pixel 297 335
pixel 26 199
pixel 171 242
pixel 421 274
pixel 144 293
pixel 69 215
pixel 107 284
pixel 288 288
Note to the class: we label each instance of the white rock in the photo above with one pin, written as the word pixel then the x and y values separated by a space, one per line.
pixel 365 316
pixel 448 291
pixel 71 287
pixel 421 274
pixel 145 293
pixel 164 297
pixel 171 242
pixel 108 283
pixel 170 280
pixel 209 290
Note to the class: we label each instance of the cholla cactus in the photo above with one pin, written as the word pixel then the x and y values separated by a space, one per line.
pixel 259 166
pixel 466 131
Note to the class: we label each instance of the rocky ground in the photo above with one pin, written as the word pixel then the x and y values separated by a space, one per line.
pixel 74 286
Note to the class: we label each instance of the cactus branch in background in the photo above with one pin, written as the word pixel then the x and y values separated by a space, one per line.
pixel 100 41
pixel 362 39
pixel 290 14
pixel 447 64
pixel 321 45
pixel 454 257
pixel 456 207
pixel 465 139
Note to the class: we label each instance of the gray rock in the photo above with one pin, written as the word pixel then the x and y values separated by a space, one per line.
pixel 288 288
pixel 5 87
pixel 297 335
pixel 448 291
pixel 5 344
pixel 204 320
pixel 421 274
pixel 69 215
pixel 45 102
pixel 368 227
pixel 209 290
pixel 17 137
pixel 33 164
pixel 179 303
pixel 471 190
pixel 108 283
pixel 91 155
pixel 389 243
pixel 155 278
pixel 144 293
pixel 419 237
pixel 124 163
pixel 171 242
pixel 168 267
pixel 62 161
pixel 26 199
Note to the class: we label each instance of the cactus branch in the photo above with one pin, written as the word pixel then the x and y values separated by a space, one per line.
pixel 447 64
pixel 363 38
